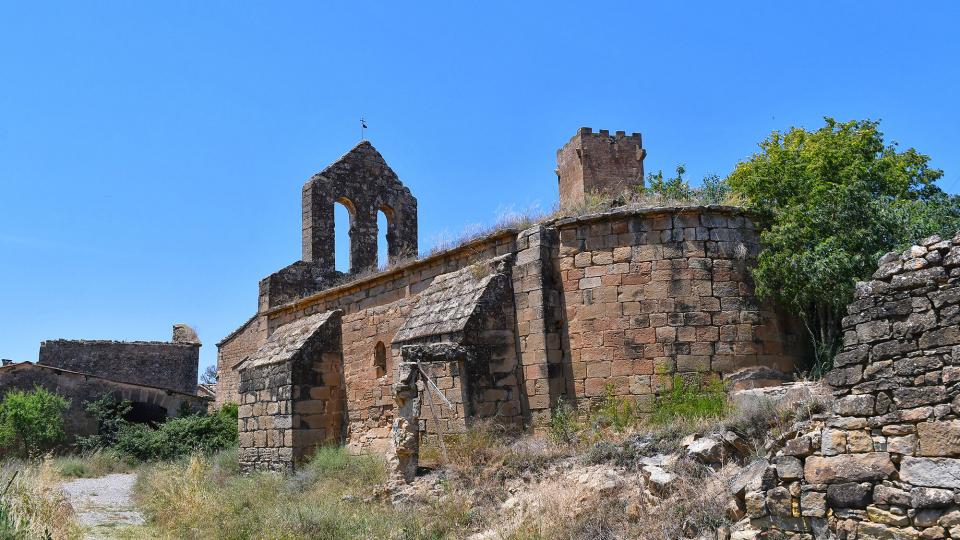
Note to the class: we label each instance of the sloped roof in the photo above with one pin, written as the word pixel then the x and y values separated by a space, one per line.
pixel 285 342
pixel 445 307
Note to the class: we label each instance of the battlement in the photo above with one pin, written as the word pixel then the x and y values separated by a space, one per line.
pixel 599 162
pixel 585 131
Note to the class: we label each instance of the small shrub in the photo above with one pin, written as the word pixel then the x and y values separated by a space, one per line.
pixel 614 412
pixel 564 426
pixel 31 422
pixel 690 400
pixel 109 413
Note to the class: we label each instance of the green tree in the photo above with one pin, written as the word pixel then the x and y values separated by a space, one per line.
pixel 832 202
pixel 675 188
pixel 31 422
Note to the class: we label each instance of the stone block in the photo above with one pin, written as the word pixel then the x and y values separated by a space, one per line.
pixel 848 468
pixel 855 405
pixel 789 468
pixel 931 472
pixel 939 439
pixel 813 504
pixel 885 517
pixel 850 495
pixel 927 497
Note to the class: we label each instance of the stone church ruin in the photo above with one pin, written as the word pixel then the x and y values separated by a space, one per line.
pixel 499 328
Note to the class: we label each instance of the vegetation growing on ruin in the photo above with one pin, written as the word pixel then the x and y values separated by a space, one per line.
pixel 690 399
pixel 483 480
pixel 835 199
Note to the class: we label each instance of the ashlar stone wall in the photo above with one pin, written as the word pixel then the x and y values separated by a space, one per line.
pixel 292 394
pixel 649 294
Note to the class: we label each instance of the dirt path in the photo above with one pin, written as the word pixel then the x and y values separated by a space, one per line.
pixel 104 504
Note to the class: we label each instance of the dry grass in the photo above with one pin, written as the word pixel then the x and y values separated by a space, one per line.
pixel 33 504
pixel 91 465
pixel 333 496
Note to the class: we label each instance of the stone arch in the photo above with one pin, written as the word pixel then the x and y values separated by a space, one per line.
pixel 351 231
pixel 142 412
pixel 390 234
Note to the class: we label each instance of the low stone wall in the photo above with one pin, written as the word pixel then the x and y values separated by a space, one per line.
pixel 886 463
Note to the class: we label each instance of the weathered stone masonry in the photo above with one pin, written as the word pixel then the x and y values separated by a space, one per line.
pixel 292 394
pixel 164 364
pixel 886 462
pixel 159 379
pixel 508 324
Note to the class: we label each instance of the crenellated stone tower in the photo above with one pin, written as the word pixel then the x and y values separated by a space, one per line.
pixel 599 162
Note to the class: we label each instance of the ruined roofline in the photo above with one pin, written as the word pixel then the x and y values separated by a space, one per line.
pixel 563 221
pixel 28 364
pixel 116 342
pixel 362 144
pixel 364 282
pixel 588 132
pixel 620 212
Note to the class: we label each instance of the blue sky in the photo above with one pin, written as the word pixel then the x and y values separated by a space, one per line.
pixel 152 154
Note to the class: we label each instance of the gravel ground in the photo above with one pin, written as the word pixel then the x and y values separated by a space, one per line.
pixel 104 502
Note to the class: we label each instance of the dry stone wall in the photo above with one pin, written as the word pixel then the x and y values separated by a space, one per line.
pixel 886 463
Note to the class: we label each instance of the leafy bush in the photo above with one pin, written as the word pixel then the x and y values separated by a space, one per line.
pixel 110 414
pixel 173 439
pixel 833 201
pixel 179 437
pixel 31 422
pixel 690 400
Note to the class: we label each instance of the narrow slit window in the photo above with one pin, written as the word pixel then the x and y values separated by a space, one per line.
pixel 380 359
